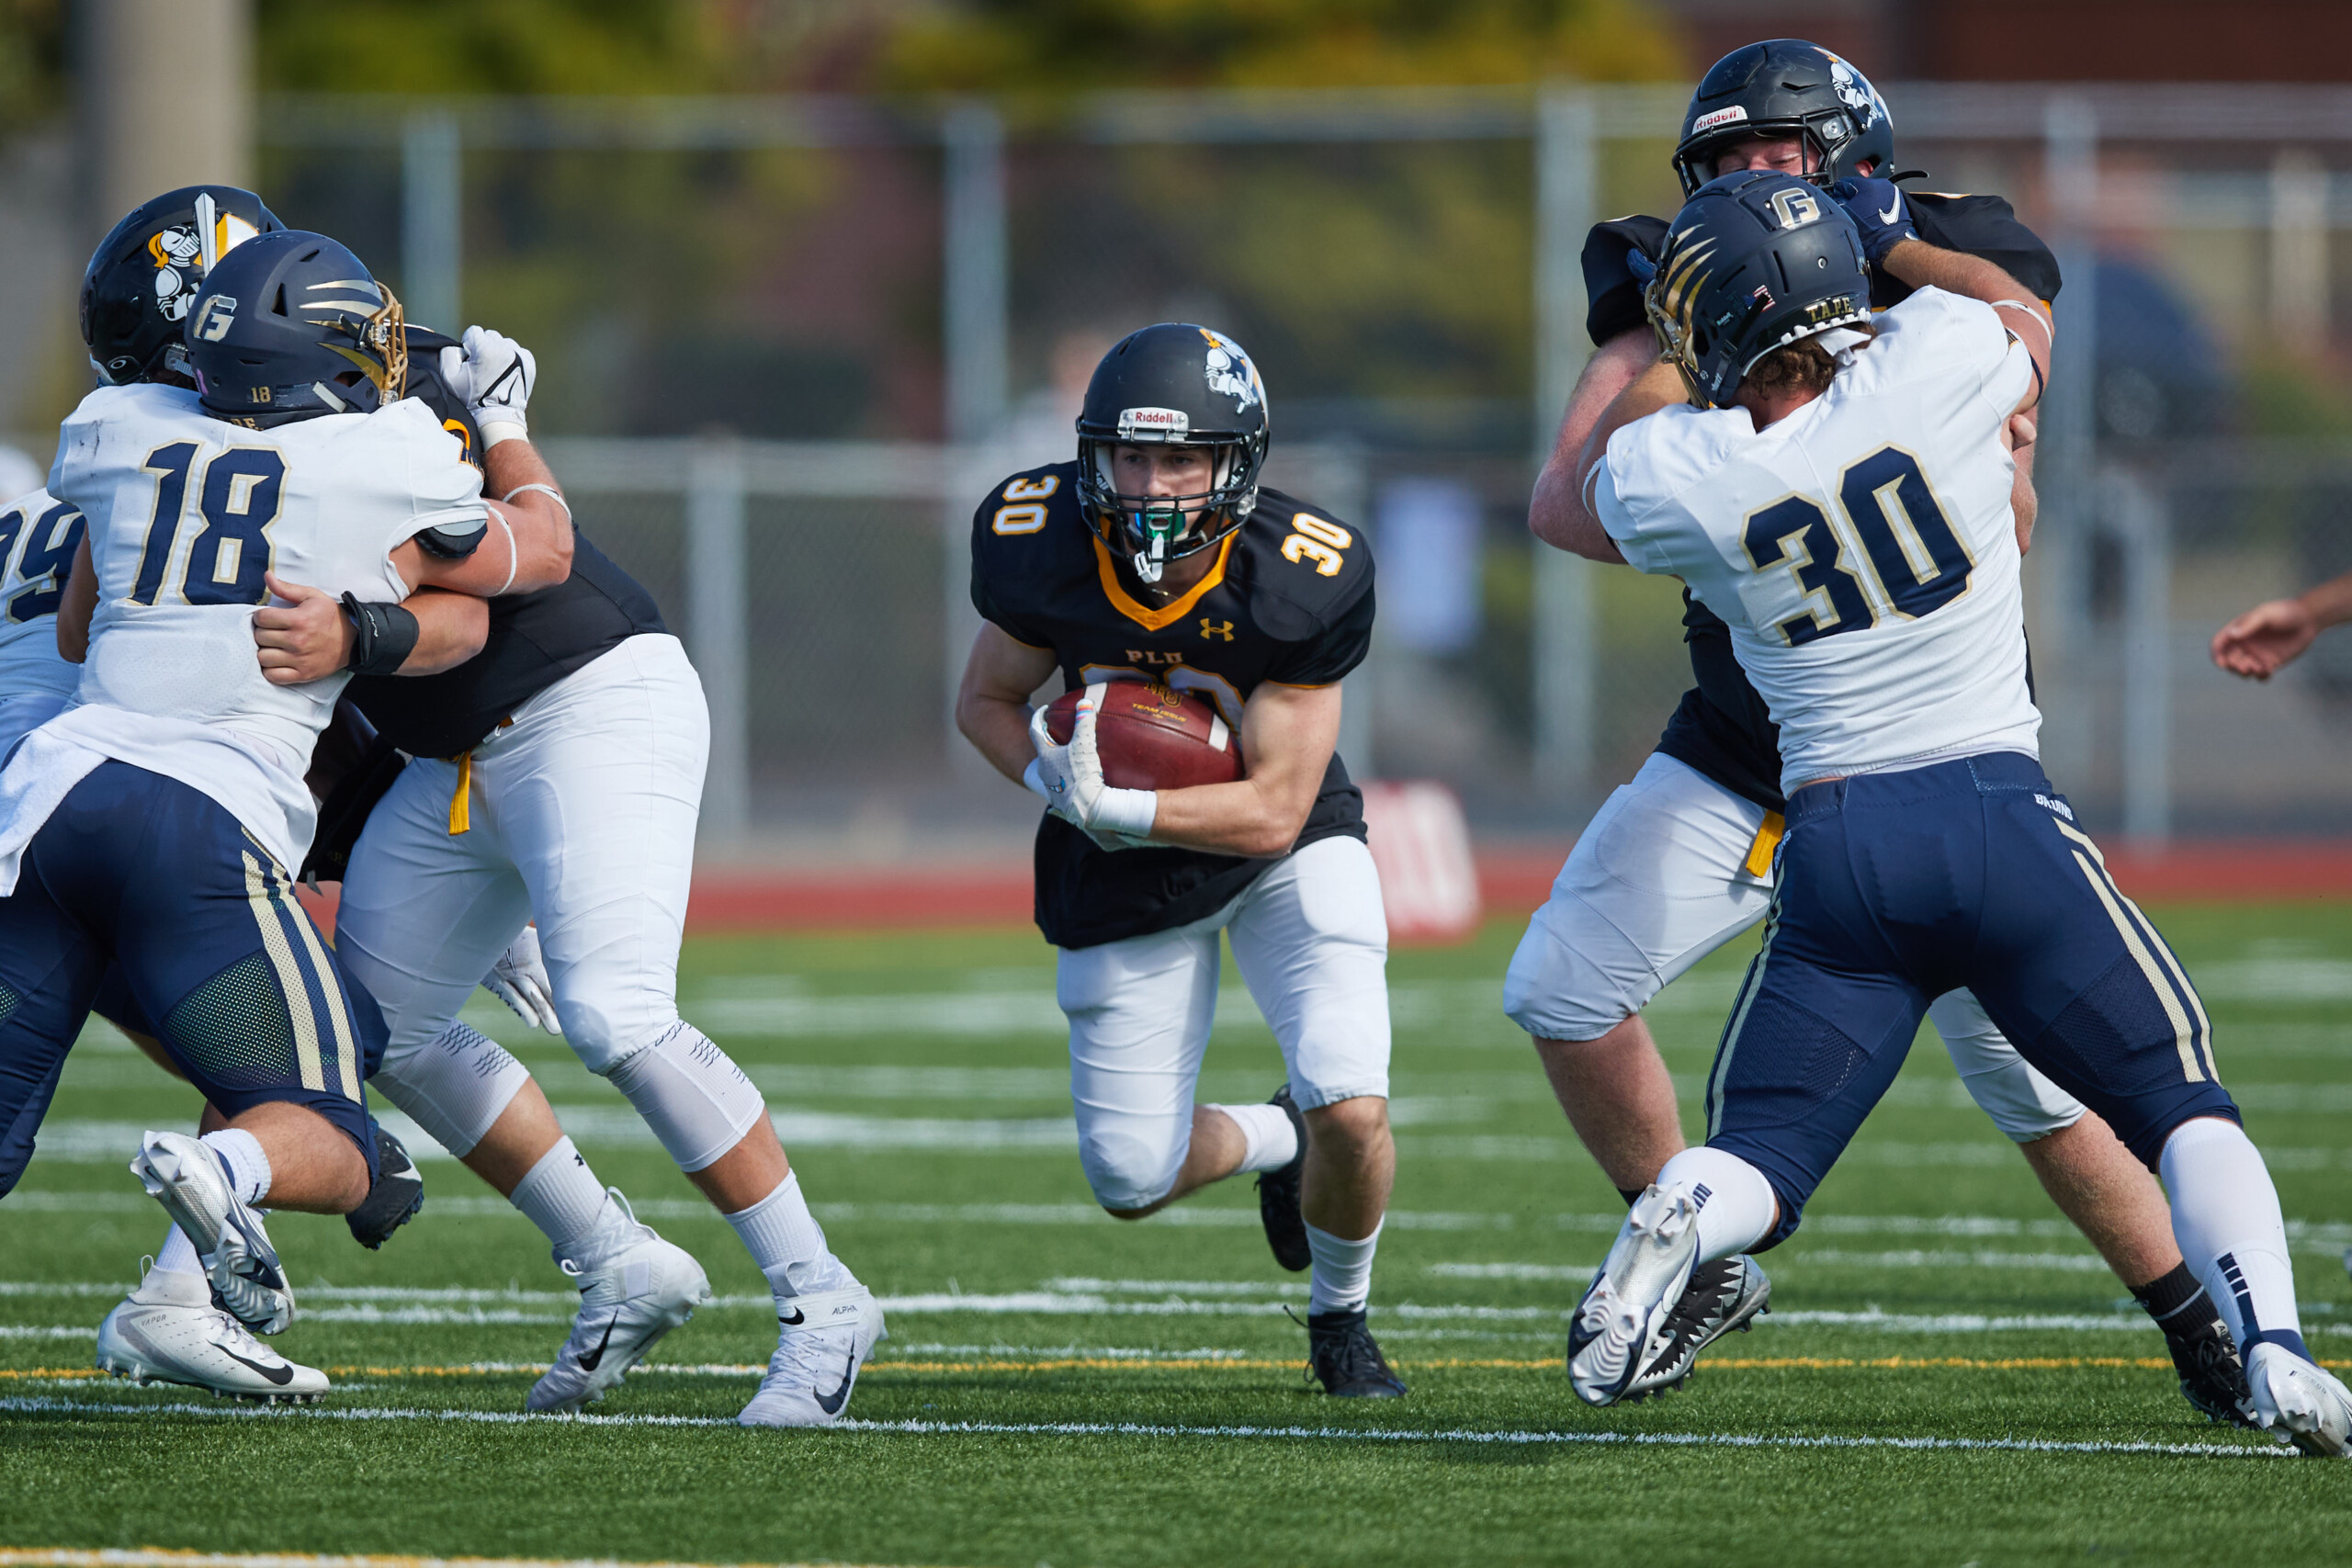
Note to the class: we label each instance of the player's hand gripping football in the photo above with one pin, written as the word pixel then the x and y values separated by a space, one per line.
pixel 519 979
pixel 1070 776
pixel 1879 211
pixel 2265 639
pixel 494 374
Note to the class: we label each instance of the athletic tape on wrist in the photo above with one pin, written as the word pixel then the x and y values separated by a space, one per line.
pixel 1128 811
pixel 548 490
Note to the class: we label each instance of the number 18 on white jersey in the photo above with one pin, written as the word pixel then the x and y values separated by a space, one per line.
pixel 1862 549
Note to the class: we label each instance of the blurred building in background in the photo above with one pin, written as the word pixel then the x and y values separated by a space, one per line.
pixel 804 278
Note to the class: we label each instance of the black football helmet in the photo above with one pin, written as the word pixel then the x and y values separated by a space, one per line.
pixel 292 325
pixel 1755 260
pixel 1785 87
pixel 1175 385
pixel 142 278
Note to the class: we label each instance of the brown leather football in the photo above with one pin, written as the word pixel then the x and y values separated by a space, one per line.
pixel 1153 737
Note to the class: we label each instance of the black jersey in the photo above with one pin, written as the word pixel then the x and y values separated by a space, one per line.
pixel 1723 728
pixel 536 639
pixel 1288 599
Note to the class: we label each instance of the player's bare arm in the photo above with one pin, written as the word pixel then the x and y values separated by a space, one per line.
pixel 2268 638
pixel 75 609
pixel 1288 734
pixel 1658 385
pixel 313 635
pixel 1554 513
pixel 993 704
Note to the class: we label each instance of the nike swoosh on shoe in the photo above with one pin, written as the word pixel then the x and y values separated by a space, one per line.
pixel 280 1374
pixel 831 1405
pixel 794 1321
pixel 589 1362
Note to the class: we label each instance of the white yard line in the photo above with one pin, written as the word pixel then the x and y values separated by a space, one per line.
pixel 158 1557
pixel 38 1404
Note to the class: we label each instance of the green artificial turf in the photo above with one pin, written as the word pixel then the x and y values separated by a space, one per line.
pixel 925 1073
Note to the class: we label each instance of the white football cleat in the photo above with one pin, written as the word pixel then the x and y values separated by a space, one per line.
pixel 2300 1403
pixel 819 1350
pixel 169 1331
pixel 185 1175
pixel 639 1292
pixel 1629 1301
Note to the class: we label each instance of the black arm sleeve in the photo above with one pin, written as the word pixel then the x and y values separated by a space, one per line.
pixel 1985 226
pixel 1613 293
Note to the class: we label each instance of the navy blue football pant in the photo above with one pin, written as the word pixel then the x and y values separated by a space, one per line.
pixel 1893 888
pixel 215 956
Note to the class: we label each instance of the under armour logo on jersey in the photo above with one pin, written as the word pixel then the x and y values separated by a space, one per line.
pixel 1216 629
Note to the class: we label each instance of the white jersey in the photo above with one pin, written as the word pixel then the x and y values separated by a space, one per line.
pixel 185 514
pixel 38 536
pixel 1862 549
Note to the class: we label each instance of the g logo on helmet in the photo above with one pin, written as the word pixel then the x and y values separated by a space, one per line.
pixel 213 318
pixel 1795 207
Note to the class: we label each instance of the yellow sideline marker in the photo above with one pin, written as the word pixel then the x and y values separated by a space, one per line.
pixel 166 1557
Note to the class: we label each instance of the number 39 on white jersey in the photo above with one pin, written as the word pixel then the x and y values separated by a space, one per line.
pixel 1862 549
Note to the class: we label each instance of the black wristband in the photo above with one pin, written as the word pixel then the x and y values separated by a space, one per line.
pixel 385 635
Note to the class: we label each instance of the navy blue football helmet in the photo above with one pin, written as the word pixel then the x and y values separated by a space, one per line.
pixel 1178 385
pixel 1755 261
pixel 292 325
pixel 142 278
pixel 1785 87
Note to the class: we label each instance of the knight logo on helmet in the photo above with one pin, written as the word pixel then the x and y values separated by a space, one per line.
pixel 143 281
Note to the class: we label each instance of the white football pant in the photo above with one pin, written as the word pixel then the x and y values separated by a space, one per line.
pixel 1312 944
pixel 1657 882
pixel 583 815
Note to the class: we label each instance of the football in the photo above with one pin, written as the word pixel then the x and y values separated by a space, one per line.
pixel 1153 737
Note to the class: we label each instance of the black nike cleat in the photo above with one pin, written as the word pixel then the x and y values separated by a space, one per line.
pixel 397 1197
pixel 1342 1352
pixel 1721 1296
pixel 1278 1193
pixel 2205 1354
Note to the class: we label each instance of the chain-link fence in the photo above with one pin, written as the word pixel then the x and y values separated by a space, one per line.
pixel 890 304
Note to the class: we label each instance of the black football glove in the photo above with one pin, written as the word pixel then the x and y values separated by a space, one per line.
pixel 1879 211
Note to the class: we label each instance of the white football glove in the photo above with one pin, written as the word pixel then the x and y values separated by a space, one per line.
pixel 519 979
pixel 497 377
pixel 1071 778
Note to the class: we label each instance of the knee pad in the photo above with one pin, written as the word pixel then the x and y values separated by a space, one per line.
pixel 1574 976
pixel 1132 1162
pixel 2022 1103
pixel 698 1102
pixel 454 1086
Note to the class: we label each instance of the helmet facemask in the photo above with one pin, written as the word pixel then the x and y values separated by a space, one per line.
pixel 1153 530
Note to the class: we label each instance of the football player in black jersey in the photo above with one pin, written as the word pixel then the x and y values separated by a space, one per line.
pixel 1157 556
pixel 1679 861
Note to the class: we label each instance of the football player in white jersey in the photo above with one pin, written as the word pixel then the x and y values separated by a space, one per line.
pixel 1837 489
pixel 152 823
pixel 136 292
pixel 1678 861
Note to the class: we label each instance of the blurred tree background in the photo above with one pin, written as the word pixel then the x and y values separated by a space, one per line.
pixel 796 294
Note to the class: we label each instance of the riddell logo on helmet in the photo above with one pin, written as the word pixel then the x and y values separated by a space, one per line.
pixel 1730 115
pixel 1158 425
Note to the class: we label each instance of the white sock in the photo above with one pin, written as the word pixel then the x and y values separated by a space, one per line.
pixel 178 1255
pixel 787 1244
pixel 2225 1216
pixel 562 1196
pixel 1268 1140
pixel 248 1164
pixel 1342 1278
pixel 1737 1204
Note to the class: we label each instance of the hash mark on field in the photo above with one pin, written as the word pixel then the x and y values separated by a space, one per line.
pixel 54 1406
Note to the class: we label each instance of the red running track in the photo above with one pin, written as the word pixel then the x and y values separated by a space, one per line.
pixel 1514 882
